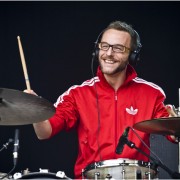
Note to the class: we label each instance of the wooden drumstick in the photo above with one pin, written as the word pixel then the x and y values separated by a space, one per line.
pixel 179 104
pixel 24 64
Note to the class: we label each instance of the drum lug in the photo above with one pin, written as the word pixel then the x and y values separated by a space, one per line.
pixel 96 174
pixel 108 176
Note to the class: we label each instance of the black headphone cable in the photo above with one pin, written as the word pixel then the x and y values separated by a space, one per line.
pixel 97 101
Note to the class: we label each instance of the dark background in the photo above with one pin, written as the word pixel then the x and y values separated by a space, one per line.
pixel 58 40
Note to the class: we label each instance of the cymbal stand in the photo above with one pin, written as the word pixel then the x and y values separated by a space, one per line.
pixel 177 112
pixel 178 138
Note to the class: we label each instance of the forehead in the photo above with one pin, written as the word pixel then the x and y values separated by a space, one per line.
pixel 113 36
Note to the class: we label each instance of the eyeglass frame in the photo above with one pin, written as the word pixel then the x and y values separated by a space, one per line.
pixel 112 46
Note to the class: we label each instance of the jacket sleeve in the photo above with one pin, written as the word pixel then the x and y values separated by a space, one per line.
pixel 66 115
pixel 160 109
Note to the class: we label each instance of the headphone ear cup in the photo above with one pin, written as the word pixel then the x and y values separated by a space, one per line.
pixel 96 48
pixel 96 51
pixel 134 57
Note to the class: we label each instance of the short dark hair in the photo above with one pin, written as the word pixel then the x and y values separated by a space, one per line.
pixel 123 26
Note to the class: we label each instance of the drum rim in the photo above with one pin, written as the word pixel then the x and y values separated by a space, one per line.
pixel 118 162
pixel 40 174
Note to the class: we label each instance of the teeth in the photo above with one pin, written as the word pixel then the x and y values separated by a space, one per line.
pixel 109 61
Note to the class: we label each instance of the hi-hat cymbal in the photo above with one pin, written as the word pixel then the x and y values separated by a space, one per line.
pixel 163 126
pixel 20 108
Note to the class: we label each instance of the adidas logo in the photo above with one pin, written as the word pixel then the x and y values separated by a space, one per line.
pixel 131 111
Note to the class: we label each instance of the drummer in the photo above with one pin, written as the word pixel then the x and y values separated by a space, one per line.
pixel 101 108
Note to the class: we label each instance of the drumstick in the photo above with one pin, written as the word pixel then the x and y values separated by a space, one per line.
pixel 24 64
pixel 179 104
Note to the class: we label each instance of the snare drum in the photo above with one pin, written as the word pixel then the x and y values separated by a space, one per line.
pixel 120 169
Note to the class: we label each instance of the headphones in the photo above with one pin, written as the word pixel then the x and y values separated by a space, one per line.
pixel 134 55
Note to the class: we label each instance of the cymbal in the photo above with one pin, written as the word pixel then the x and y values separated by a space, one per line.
pixel 163 126
pixel 20 108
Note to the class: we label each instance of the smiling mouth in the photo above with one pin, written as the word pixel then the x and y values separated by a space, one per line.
pixel 109 61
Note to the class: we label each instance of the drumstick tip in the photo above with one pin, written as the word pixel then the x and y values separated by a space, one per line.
pixel 18 37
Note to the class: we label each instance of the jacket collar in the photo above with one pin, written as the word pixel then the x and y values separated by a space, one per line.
pixel 130 74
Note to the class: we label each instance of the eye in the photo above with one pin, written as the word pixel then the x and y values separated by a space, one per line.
pixel 104 46
pixel 118 48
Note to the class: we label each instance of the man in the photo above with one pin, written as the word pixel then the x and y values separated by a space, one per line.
pixel 101 108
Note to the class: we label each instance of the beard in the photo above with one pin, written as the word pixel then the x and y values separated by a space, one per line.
pixel 113 69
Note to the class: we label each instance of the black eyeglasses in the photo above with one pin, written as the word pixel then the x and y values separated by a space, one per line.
pixel 118 48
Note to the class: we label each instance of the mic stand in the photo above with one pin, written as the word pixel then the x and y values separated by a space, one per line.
pixel 174 175
pixel 5 146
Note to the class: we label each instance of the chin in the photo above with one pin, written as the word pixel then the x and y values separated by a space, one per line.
pixel 110 73
pixel 113 71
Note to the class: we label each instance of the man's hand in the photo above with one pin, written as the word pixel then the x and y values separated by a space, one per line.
pixel 172 113
pixel 30 92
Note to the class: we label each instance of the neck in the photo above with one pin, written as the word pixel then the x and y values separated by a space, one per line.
pixel 116 80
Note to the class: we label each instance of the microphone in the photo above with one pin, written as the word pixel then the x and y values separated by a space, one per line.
pixel 122 141
pixel 16 146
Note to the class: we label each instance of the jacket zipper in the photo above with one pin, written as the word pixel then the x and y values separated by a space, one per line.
pixel 116 98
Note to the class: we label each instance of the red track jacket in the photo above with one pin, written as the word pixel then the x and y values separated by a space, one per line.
pixel 101 115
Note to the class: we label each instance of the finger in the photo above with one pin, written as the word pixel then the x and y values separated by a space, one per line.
pixel 30 92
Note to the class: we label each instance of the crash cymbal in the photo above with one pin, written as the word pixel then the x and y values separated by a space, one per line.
pixel 20 108
pixel 163 126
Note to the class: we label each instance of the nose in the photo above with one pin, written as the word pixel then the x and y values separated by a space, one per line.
pixel 109 51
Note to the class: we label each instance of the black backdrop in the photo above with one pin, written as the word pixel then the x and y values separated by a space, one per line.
pixel 58 40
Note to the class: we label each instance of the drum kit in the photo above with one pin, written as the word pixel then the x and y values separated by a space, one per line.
pixel 20 108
